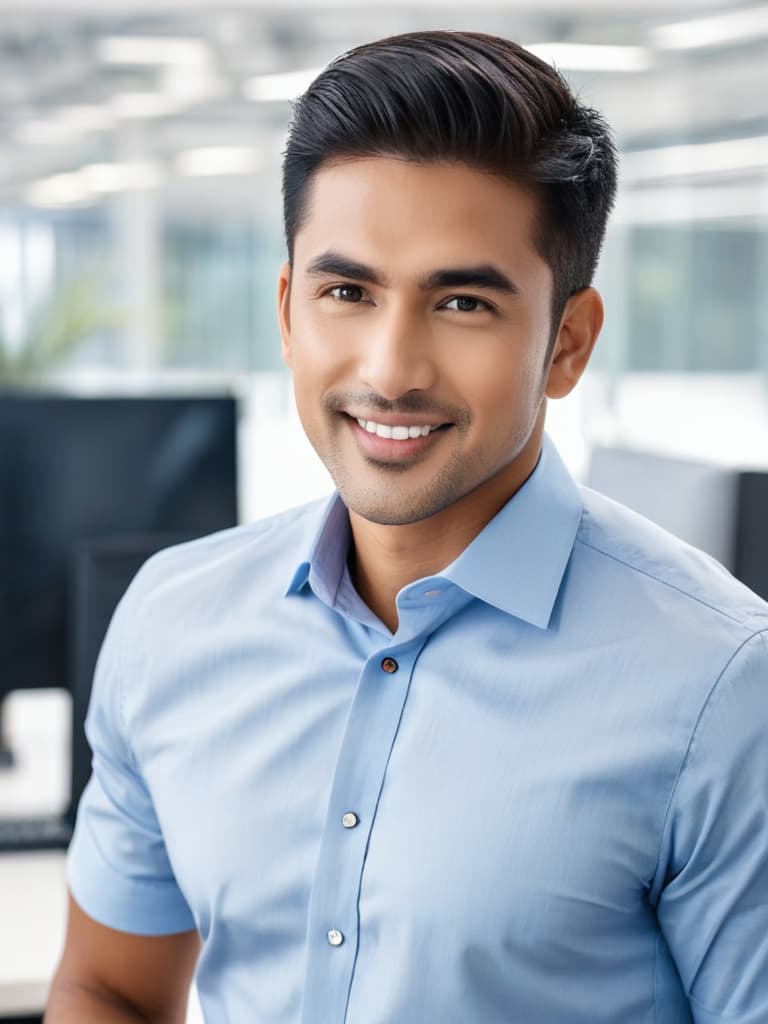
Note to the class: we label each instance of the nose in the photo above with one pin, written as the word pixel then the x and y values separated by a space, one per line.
pixel 397 356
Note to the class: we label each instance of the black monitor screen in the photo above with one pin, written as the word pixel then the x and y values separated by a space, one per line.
pixel 76 469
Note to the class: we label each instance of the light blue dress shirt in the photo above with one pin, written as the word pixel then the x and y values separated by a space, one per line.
pixel 544 800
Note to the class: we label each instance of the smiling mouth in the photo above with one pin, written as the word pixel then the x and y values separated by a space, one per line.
pixel 398 432
pixel 394 444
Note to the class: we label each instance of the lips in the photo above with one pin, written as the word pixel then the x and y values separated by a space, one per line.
pixel 394 449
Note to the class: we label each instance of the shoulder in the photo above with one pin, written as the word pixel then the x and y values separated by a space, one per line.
pixel 197 575
pixel 659 572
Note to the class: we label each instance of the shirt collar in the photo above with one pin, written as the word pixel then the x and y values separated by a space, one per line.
pixel 516 563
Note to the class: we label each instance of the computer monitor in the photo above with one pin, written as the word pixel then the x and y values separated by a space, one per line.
pixel 74 469
pixel 100 573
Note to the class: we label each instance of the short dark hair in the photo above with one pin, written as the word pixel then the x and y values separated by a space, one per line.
pixel 472 98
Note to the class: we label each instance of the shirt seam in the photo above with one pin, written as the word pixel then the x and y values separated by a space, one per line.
pixel 664 583
pixel 760 633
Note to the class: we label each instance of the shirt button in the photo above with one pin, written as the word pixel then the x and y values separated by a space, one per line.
pixel 349 820
pixel 335 937
pixel 389 665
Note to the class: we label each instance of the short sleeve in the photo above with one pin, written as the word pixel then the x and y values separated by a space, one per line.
pixel 117 866
pixel 713 870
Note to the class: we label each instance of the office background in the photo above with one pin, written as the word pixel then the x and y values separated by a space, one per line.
pixel 140 227
pixel 139 198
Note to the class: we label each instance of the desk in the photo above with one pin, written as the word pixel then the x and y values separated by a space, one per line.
pixel 33 917
pixel 33 908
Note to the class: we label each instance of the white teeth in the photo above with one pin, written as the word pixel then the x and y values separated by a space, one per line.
pixel 394 433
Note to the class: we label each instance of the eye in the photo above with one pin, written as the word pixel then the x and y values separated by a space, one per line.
pixel 346 293
pixel 467 304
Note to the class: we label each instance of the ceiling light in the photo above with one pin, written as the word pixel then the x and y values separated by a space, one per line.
pixel 143 105
pixel 673 205
pixel 90 182
pixel 64 124
pixel 58 190
pixel 119 177
pixel 152 50
pixel 285 86
pixel 588 57
pixel 213 160
pixel 695 159
pixel 714 30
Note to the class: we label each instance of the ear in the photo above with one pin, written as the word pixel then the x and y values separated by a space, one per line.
pixel 284 311
pixel 579 327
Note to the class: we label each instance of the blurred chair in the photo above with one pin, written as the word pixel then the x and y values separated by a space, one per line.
pixel 722 510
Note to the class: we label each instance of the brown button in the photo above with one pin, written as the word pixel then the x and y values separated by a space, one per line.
pixel 389 665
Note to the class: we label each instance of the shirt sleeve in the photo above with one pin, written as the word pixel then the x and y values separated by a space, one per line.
pixel 713 870
pixel 118 869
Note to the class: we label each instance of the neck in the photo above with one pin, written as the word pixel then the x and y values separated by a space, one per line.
pixel 384 559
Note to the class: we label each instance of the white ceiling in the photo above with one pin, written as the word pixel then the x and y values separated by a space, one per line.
pixel 51 58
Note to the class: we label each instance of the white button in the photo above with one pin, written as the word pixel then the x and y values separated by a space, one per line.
pixel 432 593
pixel 335 937
pixel 349 820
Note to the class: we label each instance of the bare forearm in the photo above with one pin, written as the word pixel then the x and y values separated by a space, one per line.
pixel 69 1003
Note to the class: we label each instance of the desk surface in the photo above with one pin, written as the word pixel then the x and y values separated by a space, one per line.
pixel 33 909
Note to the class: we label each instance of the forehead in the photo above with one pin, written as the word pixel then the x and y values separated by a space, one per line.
pixel 393 209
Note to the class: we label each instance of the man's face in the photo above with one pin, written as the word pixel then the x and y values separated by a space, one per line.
pixel 417 300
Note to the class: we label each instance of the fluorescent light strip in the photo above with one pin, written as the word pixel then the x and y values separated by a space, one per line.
pixel 58 190
pixel 64 124
pixel 217 160
pixel 119 177
pixel 152 50
pixel 715 30
pixel 144 105
pixel 695 159
pixel 91 182
pixel 676 205
pixel 285 86
pixel 588 57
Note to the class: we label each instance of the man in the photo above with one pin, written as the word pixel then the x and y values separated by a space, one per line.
pixel 467 743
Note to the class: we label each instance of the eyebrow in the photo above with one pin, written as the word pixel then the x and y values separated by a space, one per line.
pixel 481 275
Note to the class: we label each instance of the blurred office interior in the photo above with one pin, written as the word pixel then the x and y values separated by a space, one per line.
pixel 140 237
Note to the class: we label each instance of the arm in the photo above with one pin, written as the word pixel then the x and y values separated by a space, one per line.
pixel 112 977
pixel 712 881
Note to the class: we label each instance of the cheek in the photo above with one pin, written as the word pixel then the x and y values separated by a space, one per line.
pixel 498 382
pixel 320 345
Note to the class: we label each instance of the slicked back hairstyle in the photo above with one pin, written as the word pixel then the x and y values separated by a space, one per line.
pixel 475 99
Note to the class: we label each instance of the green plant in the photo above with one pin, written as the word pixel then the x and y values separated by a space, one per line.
pixel 55 331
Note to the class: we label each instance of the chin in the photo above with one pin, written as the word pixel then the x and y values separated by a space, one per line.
pixel 394 510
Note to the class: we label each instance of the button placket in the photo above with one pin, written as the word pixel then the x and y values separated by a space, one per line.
pixel 369 733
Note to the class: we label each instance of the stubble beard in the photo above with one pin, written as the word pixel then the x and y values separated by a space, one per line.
pixel 390 502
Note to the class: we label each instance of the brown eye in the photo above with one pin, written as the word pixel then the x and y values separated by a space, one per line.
pixel 466 304
pixel 346 293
